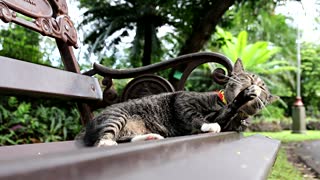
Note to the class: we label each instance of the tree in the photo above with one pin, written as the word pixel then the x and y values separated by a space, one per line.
pixel 262 25
pixel 200 19
pixel 310 68
pixel 193 22
pixel 111 17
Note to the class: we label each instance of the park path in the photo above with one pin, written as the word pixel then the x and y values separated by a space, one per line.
pixel 309 153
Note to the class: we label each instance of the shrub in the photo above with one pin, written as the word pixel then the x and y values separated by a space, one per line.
pixel 36 121
pixel 263 126
pixel 272 112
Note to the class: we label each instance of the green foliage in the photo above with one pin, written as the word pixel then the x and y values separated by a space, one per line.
pixel 117 19
pixel 201 80
pixel 273 112
pixel 25 122
pixel 19 43
pixel 310 68
pixel 256 57
pixel 260 21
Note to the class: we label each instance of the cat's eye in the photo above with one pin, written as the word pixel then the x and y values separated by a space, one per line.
pixel 232 84
pixel 263 88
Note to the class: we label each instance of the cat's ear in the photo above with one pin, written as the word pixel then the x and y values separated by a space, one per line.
pixel 273 98
pixel 238 66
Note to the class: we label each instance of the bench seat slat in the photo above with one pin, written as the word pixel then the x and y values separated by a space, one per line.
pixel 205 156
pixel 23 78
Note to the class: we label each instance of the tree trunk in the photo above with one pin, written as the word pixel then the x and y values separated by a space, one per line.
pixel 202 31
pixel 205 28
pixel 147 49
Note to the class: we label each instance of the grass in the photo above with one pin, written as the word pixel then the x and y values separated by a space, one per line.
pixel 282 168
pixel 287 136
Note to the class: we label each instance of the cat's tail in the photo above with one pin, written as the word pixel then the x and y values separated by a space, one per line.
pixel 92 134
pixel 79 138
pixel 88 136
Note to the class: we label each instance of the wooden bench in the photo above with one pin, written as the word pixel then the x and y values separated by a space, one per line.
pixel 226 155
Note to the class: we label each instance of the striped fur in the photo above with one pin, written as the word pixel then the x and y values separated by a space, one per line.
pixel 180 113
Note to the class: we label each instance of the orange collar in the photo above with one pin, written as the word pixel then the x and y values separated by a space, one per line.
pixel 222 97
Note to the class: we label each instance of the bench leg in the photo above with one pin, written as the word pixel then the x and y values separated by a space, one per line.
pixel 71 64
pixel 85 113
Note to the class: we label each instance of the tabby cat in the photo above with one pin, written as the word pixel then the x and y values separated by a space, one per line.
pixel 180 113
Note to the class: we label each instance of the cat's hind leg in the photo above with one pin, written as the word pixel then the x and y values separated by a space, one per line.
pixel 142 137
pixel 105 141
pixel 146 137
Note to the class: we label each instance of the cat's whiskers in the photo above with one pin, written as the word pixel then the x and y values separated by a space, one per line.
pixel 233 79
pixel 263 106
pixel 260 102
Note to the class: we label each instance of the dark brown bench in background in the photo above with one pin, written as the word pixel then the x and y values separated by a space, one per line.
pixel 222 156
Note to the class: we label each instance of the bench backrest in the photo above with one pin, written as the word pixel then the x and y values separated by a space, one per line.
pixel 50 18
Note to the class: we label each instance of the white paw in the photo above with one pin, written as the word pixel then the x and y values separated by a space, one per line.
pixel 106 142
pixel 212 127
pixel 146 137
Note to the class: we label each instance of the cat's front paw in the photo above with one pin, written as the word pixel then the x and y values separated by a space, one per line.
pixel 211 127
pixel 253 92
pixel 106 142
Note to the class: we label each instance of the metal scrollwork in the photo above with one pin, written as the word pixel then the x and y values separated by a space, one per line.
pixel 220 76
pixel 60 27
pixel 68 31
pixel 110 96
pixel 45 25
pixel 148 84
pixel 5 13
pixel 56 27
pixel 107 82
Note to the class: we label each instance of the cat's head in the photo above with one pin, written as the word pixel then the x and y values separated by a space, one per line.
pixel 241 80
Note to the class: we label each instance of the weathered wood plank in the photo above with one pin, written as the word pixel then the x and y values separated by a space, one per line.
pixel 190 157
pixel 9 153
pixel 19 77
